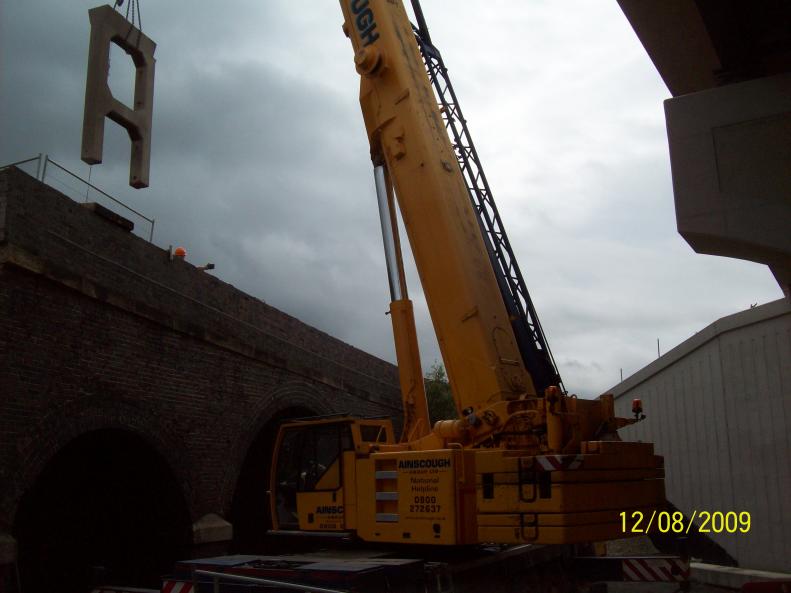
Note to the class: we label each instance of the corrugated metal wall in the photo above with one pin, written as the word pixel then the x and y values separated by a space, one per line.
pixel 718 408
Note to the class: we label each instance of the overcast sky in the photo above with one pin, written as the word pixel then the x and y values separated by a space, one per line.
pixel 260 163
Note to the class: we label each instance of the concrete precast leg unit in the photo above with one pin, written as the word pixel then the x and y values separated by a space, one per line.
pixel 108 26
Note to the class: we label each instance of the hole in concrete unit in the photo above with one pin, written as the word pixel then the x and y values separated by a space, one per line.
pixel 105 510
pixel 250 508
pixel 122 76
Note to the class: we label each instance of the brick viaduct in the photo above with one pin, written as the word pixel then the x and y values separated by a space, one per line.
pixel 139 395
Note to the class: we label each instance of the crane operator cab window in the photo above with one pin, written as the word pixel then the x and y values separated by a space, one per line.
pixel 308 474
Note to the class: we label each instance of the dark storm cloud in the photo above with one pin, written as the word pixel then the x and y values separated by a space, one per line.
pixel 263 171
pixel 260 163
pixel 278 205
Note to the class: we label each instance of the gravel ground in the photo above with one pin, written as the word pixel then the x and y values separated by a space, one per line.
pixel 631 546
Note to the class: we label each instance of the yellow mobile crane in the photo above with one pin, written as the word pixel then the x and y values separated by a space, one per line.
pixel 524 461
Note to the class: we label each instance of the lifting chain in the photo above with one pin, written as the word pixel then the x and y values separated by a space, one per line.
pixel 132 7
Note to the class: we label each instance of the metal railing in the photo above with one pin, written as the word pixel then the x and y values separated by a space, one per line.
pixel 216 576
pixel 41 172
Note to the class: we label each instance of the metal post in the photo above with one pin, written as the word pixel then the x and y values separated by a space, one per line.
pixel 151 234
pixel 391 256
pixel 88 185
pixel 38 166
pixel 44 169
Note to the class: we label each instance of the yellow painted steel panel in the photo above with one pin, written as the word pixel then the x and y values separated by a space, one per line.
pixel 559 519
pixel 534 534
pixel 581 476
pixel 574 497
pixel 508 461
pixel 425 508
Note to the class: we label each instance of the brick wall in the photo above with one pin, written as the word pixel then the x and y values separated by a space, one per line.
pixel 99 328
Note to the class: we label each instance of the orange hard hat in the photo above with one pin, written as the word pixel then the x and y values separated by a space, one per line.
pixel 180 252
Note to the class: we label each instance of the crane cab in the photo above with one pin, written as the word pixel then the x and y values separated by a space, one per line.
pixel 312 481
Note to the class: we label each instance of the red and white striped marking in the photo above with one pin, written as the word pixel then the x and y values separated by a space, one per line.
pixel 655 569
pixel 552 463
pixel 176 587
pixel 121 589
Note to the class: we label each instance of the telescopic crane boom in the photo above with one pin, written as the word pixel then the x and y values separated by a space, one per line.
pixel 523 462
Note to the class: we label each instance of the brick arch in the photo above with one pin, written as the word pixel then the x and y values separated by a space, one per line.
pixel 118 493
pixel 244 486
pixel 294 394
pixel 50 435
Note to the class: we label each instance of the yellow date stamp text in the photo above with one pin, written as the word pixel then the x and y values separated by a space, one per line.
pixel 676 522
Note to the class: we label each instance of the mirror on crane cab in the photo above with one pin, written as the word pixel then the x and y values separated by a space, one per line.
pixel 313 460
